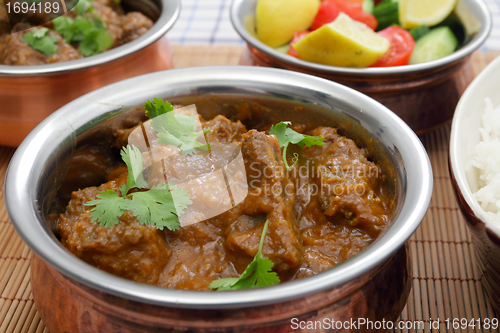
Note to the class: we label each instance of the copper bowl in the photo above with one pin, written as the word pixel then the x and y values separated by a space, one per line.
pixel 28 94
pixel 464 137
pixel 423 95
pixel 73 296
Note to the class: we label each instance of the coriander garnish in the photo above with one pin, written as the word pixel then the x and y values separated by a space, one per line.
pixel 89 30
pixel 161 205
pixel 287 135
pixel 40 40
pixel 257 274
pixel 174 129
pixel 157 108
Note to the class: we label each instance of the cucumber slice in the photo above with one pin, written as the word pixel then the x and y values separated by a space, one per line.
pixel 386 13
pixel 438 43
pixel 283 49
pixel 368 6
pixel 454 23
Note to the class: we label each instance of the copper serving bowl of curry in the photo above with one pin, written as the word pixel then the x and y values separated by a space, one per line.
pixel 331 184
pixel 96 43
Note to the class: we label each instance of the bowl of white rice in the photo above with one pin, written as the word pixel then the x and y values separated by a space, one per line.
pixel 475 171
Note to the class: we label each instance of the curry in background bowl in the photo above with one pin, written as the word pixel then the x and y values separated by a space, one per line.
pixel 424 95
pixel 34 84
pixel 306 233
pixel 92 27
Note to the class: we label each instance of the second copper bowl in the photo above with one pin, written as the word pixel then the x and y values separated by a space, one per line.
pixel 28 94
pixel 423 95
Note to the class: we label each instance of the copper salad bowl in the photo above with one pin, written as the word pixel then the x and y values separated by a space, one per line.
pixel 423 95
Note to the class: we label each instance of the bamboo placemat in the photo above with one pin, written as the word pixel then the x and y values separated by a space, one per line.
pixel 446 282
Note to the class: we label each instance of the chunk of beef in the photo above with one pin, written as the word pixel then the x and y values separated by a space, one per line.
pixel 13 51
pixel 348 181
pixel 128 249
pixel 134 25
pixel 271 196
pixel 224 130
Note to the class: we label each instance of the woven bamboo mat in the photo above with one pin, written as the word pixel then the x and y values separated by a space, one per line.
pixel 446 282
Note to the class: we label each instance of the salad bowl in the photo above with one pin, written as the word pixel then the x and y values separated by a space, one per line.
pixel 423 95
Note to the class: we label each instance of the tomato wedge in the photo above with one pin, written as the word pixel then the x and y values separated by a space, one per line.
pixel 402 45
pixel 330 9
pixel 297 35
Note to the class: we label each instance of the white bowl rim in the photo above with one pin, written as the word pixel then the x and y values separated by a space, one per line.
pixel 457 167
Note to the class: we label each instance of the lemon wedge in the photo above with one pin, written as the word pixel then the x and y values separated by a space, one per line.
pixel 344 42
pixel 414 13
pixel 277 20
pixel 469 21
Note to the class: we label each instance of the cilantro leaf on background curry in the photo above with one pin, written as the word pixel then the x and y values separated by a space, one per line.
pixel 40 40
pixel 160 205
pixel 88 30
pixel 287 135
pixel 257 274
pixel 174 129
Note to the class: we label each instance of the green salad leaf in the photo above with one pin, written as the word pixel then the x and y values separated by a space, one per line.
pixel 257 274
pixel 287 135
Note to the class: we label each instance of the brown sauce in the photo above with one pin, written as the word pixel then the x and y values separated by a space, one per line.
pixel 328 208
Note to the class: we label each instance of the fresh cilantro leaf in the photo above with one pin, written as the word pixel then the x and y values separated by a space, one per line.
pixel 109 206
pixel 40 40
pixel 89 32
pixel 224 283
pixel 257 274
pixel 132 157
pixel 160 206
pixel 39 33
pixel 95 42
pixel 84 6
pixel 287 135
pixel 63 25
pixel 157 108
pixel 179 130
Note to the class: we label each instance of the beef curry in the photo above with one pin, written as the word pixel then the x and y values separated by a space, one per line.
pixel 331 205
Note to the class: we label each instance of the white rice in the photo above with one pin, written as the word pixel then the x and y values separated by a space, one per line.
pixel 488 162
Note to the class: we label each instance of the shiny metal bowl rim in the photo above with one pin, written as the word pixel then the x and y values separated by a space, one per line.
pixel 169 13
pixel 474 44
pixel 33 154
